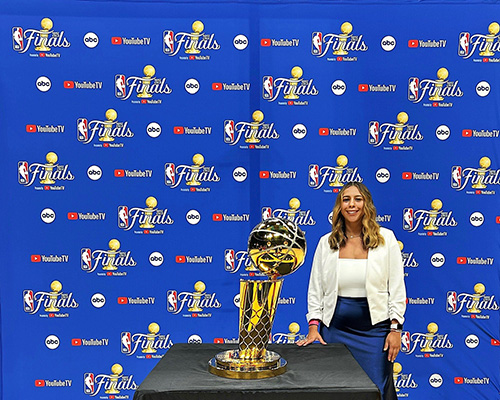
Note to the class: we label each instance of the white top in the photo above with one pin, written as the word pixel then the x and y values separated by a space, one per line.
pixel 352 277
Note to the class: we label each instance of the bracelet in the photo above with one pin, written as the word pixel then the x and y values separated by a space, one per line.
pixel 314 322
pixel 397 330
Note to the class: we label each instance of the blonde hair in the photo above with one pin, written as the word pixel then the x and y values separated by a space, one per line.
pixel 370 229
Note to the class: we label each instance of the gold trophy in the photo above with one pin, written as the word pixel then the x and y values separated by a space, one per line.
pixel 277 247
pixel 396 371
pixel 195 36
pixel 476 297
pixel 432 329
pixel 402 120
pixel 116 370
pixel 51 158
pixel 442 74
pixel 199 288
pixel 436 205
pixel 293 330
pixel 151 203
pixel 111 115
pixel 493 29
pixel 56 287
pixel 47 25
pixel 294 80
pixel 257 117
pixel 198 161
pixel 294 205
pixel 114 246
pixel 341 163
pixel 346 29
pixel 484 163
pixel 153 329
pixel 149 72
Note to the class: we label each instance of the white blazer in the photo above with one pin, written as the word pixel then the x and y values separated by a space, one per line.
pixel 385 288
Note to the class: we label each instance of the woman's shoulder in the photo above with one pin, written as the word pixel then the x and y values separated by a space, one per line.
pixel 387 233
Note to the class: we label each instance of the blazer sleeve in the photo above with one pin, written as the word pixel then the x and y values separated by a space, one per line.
pixel 315 293
pixel 397 290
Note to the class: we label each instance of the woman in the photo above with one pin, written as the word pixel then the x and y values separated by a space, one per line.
pixel 356 290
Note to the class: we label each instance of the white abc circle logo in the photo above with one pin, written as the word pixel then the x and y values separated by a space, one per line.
pixel 194 339
pixel 330 217
pixel 43 84
pixel 193 217
pixel 91 40
pixel 236 300
pixel 472 341
pixel 388 43
pixel 94 172
pixel 240 174
pixel 48 215
pixel 443 132
pixel 476 218
pixel 483 89
pixel 338 87
pixel 435 380
pixel 156 258
pixel 98 300
pixel 299 131
pixel 382 175
pixel 437 260
pixel 192 86
pixel 52 342
pixel 153 129
pixel 240 42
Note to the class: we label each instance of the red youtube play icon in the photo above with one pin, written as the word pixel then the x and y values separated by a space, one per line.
pixel 36 258
pixel 217 217
pixel 69 84
pixel 363 87
pixel 180 259
pixel 467 133
pixel 119 173
pixel 76 342
pixel 458 380
pixel 116 40
pixel 413 43
pixel 73 216
pixel 407 175
pixel 495 342
pixel 264 174
pixel 323 131
pixel 265 42
pixel 30 128
pixel 462 260
pixel 216 86
pixel 39 383
pixel 122 300
pixel 178 130
pixel 219 340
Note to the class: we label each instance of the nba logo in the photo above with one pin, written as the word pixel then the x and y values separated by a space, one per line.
pixel 463 44
pixel 82 129
pixel 86 256
pixel 29 305
pixel 120 88
pixel 17 38
pixel 229 260
pixel 88 383
pixel 126 342
pixel 168 42
pixel 317 43
pixel 313 175
pixel 413 89
pixel 229 131
pixel 23 174
pixel 172 301
pixel 451 302
pixel 408 219
pixel 169 174
pixel 456 176
pixel 267 87
pixel 405 341
pixel 266 213
pixel 122 217
pixel 374 130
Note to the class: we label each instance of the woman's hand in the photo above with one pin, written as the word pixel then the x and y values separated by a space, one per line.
pixel 312 336
pixel 393 345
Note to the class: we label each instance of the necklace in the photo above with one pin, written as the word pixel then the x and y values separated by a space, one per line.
pixel 354 236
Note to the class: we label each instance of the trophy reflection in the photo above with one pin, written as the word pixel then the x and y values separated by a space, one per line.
pixel 493 30
pixel 114 246
pixel 341 163
pixel 479 289
pixel 258 117
pixel 402 120
pixel 484 163
pixel 151 203
pixel 396 371
pixel 153 329
pixel 149 72
pixel 51 158
pixel 116 370
pixel 432 329
pixel 111 115
pixel 294 80
pixel 277 247
pixel 198 161
pixel 294 205
pixel 47 25
pixel 195 37
pixel 199 288
pixel 56 287
pixel 436 205
pixel 442 74
pixel 346 29
pixel 293 331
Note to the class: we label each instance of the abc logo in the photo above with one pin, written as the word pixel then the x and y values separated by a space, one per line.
pixel 91 40
pixel 43 84
pixel 48 215
pixel 240 42
pixel 435 380
pixel 193 217
pixel 382 175
pixel 330 217
pixel 192 86
pixel 240 174
pixel 98 300
pixel 476 218
pixel 236 300
pixel 472 341
pixel 437 260
pixel 156 259
pixel 52 342
pixel 153 129
pixel 94 172
pixel 338 87
pixel 443 132
pixel 194 339
pixel 483 89
pixel 388 43
pixel 299 131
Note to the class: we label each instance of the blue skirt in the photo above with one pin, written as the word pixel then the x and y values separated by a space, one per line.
pixel 351 325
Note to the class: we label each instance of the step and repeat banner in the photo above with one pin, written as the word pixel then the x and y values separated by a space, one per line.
pixel 143 141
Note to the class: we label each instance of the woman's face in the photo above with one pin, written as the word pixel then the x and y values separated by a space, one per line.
pixel 352 205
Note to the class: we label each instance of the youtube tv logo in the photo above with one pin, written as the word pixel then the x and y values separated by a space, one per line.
pixel 178 130
pixel 264 174
pixel 265 42
pixel 323 131
pixel 30 128
pixel 36 258
pixel 217 217
pixel 412 43
pixel 119 173
pixel 363 87
pixel 407 175
pixel 122 300
pixel 216 86
pixel 462 260
pixel 458 380
pixel 76 342
pixel 467 133
pixel 116 40
pixel 72 216
pixel 69 84
pixel 39 383
pixel 180 259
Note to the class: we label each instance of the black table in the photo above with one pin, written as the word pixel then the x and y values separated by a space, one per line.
pixel 314 372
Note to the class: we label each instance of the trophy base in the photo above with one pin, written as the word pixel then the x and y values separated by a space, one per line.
pixel 228 365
